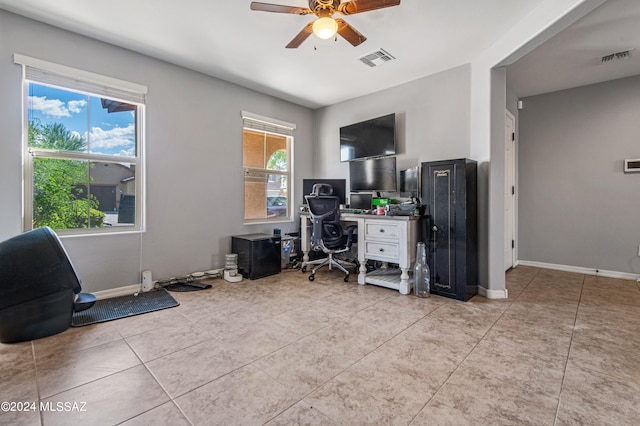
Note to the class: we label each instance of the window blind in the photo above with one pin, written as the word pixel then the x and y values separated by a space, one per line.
pixel 49 73
pixel 266 124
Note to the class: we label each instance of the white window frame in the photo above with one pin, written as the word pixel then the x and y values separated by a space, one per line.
pixel 75 80
pixel 274 126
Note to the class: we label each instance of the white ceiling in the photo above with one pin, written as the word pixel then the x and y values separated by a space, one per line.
pixel 225 39
pixel 572 58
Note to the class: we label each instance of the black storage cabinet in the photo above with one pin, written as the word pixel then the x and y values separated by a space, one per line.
pixel 449 192
pixel 259 255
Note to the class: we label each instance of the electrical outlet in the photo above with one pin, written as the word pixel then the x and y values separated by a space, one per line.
pixel 638 250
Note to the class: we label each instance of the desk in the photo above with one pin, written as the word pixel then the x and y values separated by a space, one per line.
pixel 389 239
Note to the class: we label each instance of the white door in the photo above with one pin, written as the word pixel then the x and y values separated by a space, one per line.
pixel 509 191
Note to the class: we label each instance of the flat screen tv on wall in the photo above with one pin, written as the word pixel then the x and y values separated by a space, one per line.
pixel 371 138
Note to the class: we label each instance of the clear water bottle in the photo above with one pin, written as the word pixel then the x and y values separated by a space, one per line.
pixel 421 286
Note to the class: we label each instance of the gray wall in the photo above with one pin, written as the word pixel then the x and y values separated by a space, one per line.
pixel 576 206
pixel 194 140
pixel 432 113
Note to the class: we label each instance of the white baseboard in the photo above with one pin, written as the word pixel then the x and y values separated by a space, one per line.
pixel 120 291
pixel 493 294
pixel 581 270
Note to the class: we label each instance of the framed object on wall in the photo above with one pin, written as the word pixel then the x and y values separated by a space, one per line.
pixel 632 166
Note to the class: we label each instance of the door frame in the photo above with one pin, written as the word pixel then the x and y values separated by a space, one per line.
pixel 513 161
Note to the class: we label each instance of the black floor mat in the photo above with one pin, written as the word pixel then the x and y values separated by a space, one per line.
pixel 124 306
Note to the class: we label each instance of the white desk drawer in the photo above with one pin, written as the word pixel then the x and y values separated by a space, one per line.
pixel 384 230
pixel 381 251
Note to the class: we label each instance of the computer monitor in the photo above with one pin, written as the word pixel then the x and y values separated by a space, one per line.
pixel 360 200
pixel 373 174
pixel 339 188
pixel 410 182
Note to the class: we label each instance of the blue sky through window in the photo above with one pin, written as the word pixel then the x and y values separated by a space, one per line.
pixel 106 133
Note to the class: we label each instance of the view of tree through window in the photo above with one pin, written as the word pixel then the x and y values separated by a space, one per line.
pixel 84 154
pixel 267 168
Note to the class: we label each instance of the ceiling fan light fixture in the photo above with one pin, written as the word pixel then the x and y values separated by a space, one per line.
pixel 325 28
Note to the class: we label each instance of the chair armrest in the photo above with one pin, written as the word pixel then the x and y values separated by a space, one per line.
pixel 351 232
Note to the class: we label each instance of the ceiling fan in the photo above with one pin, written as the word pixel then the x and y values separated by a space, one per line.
pixel 326 26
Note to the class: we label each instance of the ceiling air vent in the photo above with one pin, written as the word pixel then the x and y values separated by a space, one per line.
pixel 376 58
pixel 625 54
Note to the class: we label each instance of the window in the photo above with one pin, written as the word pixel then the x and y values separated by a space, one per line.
pixel 267 164
pixel 83 150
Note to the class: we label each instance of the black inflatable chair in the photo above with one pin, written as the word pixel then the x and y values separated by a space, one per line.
pixel 39 287
pixel 328 235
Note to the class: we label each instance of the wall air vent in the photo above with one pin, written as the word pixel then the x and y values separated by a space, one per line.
pixel 376 58
pixel 625 54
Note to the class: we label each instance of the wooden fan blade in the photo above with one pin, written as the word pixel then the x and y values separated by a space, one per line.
pixel 359 6
pixel 349 33
pixel 302 36
pixel 277 8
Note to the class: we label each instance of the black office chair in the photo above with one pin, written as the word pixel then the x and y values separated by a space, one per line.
pixel 328 235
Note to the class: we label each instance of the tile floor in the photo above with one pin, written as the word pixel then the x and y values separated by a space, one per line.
pixel 563 349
